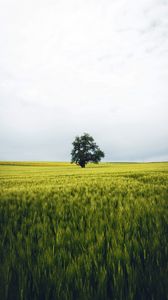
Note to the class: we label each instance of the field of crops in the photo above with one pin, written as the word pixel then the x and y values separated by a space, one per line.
pixel 92 234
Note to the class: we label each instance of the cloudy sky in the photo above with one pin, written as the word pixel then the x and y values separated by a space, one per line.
pixel 74 66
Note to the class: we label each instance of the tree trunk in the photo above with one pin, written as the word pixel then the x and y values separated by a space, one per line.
pixel 82 164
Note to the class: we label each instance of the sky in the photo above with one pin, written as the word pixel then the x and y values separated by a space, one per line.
pixel 74 66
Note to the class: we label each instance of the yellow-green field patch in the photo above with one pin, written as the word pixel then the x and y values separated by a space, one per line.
pixel 94 233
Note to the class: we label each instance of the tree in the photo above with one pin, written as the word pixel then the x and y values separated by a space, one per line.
pixel 85 150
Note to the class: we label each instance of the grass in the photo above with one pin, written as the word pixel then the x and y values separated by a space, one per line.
pixel 94 233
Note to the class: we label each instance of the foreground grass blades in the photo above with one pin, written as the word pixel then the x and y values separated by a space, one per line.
pixel 94 233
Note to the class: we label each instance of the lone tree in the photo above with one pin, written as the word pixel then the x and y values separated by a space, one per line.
pixel 85 150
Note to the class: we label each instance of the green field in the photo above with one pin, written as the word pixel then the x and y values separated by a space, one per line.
pixel 95 233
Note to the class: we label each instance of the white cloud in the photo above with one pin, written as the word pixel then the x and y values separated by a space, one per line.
pixel 72 66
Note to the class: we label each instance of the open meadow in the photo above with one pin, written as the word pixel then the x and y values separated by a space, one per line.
pixel 95 233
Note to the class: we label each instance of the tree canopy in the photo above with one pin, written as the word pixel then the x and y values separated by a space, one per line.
pixel 85 150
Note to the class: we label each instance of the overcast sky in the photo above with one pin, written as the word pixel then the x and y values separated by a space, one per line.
pixel 74 66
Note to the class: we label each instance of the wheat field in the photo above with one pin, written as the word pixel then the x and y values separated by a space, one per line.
pixel 94 233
